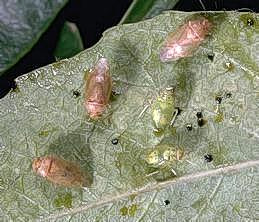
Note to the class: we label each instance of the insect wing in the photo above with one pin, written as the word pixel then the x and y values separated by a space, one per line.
pixel 98 89
pixel 97 94
pixel 65 173
pixel 182 42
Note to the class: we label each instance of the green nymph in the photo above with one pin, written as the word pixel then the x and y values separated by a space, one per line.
pixel 163 110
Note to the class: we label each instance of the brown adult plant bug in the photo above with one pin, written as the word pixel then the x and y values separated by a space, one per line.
pixel 185 40
pixel 98 89
pixel 60 171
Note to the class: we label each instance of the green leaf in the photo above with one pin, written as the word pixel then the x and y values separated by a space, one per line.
pixel 69 43
pixel 142 9
pixel 43 116
pixel 22 23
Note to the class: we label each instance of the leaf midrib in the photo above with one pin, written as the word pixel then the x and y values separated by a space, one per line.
pixel 158 186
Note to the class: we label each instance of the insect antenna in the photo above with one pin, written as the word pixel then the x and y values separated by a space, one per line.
pixel 174 117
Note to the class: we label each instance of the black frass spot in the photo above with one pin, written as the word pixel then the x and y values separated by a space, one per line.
pixel 189 127
pixel 115 141
pixel 208 158
pixel 76 93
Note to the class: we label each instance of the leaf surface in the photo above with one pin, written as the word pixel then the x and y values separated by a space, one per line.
pixel 141 9
pixel 43 116
pixel 69 43
pixel 21 25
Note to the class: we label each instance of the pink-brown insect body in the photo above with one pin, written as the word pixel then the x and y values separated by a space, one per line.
pixel 98 89
pixel 185 40
pixel 59 171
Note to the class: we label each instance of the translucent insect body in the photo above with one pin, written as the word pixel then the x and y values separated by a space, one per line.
pixel 182 42
pixel 59 171
pixel 98 89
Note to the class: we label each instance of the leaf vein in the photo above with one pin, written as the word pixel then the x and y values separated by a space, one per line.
pixel 158 186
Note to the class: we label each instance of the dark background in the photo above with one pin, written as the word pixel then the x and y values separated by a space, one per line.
pixel 92 18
